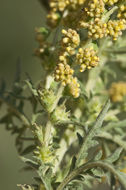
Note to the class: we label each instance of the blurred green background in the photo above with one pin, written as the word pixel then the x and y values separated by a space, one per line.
pixel 18 19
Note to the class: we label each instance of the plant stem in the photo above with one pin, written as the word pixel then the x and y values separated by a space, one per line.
pixel 73 122
pixel 109 13
pixel 88 166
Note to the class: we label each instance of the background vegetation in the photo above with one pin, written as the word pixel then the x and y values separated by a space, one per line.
pixel 18 19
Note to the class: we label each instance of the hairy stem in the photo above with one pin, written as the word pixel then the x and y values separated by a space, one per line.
pixel 88 166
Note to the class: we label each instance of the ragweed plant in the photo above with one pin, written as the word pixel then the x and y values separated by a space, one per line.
pixel 80 50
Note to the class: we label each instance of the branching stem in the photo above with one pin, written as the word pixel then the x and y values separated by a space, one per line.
pixel 88 166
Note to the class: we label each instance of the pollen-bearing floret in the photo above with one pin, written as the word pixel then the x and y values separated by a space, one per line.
pixel 74 88
pixel 96 28
pixel 41 35
pixel 110 2
pixel 63 73
pixel 56 6
pixel 70 41
pixel 115 28
pixel 95 8
pixel 122 12
pixel 117 91
pixel 87 58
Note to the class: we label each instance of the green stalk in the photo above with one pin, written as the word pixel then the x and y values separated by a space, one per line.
pixel 88 166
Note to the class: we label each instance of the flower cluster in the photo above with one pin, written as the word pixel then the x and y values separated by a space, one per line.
pixel 87 58
pixel 41 34
pixel 63 72
pixel 70 41
pixel 117 91
pixel 53 16
pixel 96 28
pixel 94 17
pixel 122 12
pixel 115 28
pixel 99 29
pixel 58 7
pixel 91 16
pixel 74 87
pixel 110 2
pixel 95 8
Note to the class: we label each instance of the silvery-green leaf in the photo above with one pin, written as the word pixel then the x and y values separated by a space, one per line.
pixel 114 156
pixel 87 142
pixel 98 155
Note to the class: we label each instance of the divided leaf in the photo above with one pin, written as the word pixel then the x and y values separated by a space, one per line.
pixel 114 156
pixel 30 85
pixel 46 178
pixel 87 143
pixel 31 163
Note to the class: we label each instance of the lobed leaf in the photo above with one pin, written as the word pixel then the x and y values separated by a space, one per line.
pixel 87 142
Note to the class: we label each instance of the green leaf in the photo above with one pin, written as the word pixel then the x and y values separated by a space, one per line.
pixel 73 163
pixel 5 119
pixel 31 163
pixel 36 115
pixel 46 178
pixel 117 139
pixel 98 155
pixel 90 165
pixel 87 142
pixel 28 150
pixel 33 90
pixel 112 125
pixel 114 156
